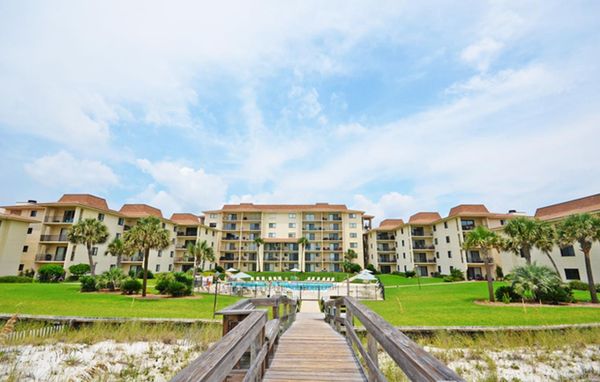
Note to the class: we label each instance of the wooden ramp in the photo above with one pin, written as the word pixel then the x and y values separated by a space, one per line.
pixel 311 350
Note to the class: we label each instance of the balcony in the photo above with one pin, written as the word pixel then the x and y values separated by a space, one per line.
pixel 133 259
pixel 58 219
pixel 386 249
pixel 227 258
pixel 271 258
pixel 420 233
pixel 474 260
pixel 184 259
pixel 193 233
pixel 423 246
pixel 424 260
pixel 386 259
pixel 57 238
pixel 49 258
pixel 385 237
pixel 252 218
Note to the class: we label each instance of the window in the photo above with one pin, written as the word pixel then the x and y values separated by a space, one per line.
pixel 94 251
pixel 292 216
pixel 446 225
pixel 403 243
pixel 352 225
pixel 353 235
pixel 353 245
pixel 212 216
pixel 29 230
pixel 160 253
pixel 502 222
pixel 467 225
pixel 101 217
pixel 437 254
pixel 435 241
pixel 447 239
pixel 292 225
pixel 402 231
pixel 164 225
pixel 439 269
pixel 292 235
pixel 404 255
pixel 171 253
pixel 118 235
pixel 449 254
pixel 25 248
pixel 567 251
pixel 572 273
pixel 170 267
pixel 21 267
pixel 212 225
pixel 272 225
pixel 271 234
pixel 434 228
pixel 352 216
pixel 405 268
pixel 33 214
pixel 157 267
pixel 451 268
pixel 121 221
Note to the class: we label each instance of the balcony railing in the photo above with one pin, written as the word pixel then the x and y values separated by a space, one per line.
pixel 474 259
pixel 49 257
pixel 184 259
pixel 187 233
pixel 387 259
pixel 425 260
pixel 423 246
pixel 62 238
pixel 133 259
pixel 385 237
pixel 58 219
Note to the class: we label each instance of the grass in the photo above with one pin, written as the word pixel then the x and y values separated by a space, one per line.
pixel 390 280
pixel 452 304
pixel 65 299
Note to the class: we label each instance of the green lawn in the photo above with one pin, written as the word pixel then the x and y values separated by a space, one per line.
pixel 392 280
pixel 452 304
pixel 65 299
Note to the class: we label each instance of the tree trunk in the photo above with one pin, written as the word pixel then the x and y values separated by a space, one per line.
pixel 91 260
pixel 553 263
pixel 119 261
pixel 490 282
pixel 590 276
pixel 527 254
pixel 145 281
pixel 194 273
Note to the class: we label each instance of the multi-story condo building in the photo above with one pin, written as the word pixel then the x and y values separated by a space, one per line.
pixel 429 244
pixel 13 230
pixel 191 229
pixel 569 259
pixel 331 230
pixel 46 239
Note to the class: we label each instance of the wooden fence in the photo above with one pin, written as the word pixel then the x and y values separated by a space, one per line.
pixel 416 363
pixel 248 342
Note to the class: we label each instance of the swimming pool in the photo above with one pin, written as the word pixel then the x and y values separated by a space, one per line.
pixel 294 285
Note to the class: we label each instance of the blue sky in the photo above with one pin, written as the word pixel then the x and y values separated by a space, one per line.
pixel 392 107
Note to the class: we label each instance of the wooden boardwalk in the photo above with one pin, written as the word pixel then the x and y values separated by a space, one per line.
pixel 311 350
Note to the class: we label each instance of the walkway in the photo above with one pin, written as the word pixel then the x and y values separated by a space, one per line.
pixel 310 350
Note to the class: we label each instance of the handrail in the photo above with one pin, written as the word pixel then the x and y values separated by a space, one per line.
pixel 246 331
pixel 415 362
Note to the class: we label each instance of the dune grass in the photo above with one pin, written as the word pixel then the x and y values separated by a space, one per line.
pixel 66 300
pixel 451 304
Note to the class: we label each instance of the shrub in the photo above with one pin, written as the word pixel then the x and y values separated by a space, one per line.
pixel 533 281
pixel 410 273
pixel 578 285
pixel 353 268
pixel 398 273
pixel 506 294
pixel 372 268
pixel 51 273
pixel 162 282
pixel 112 278
pixel 27 273
pixel 15 279
pixel 131 286
pixel 79 270
pixel 177 289
pixel 186 280
pixel 140 274
pixel 88 284
pixel 499 273
pixel 556 294
pixel 219 269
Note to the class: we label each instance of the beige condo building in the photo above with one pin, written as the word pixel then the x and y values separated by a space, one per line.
pixel 429 244
pixel 191 229
pixel 13 230
pixel 331 230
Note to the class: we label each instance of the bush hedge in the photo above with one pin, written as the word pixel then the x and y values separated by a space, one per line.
pixel 176 284
pixel 51 273
pixel 88 284
pixel 131 286
pixel 507 294
pixel 15 279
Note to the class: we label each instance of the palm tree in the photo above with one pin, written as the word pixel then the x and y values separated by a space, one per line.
pixel 303 242
pixel 145 235
pixel 258 241
pixel 546 242
pixel 485 240
pixel 89 232
pixel 583 229
pixel 118 248
pixel 524 234
pixel 349 255
pixel 208 255
pixel 194 250
pixel 201 252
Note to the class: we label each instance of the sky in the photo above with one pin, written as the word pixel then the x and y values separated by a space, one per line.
pixel 389 107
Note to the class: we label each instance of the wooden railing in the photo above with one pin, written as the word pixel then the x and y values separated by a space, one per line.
pixel 416 363
pixel 248 341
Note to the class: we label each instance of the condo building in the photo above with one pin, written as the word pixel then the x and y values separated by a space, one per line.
pixel 569 259
pixel 429 244
pixel 260 237
pixel 13 230
pixel 191 229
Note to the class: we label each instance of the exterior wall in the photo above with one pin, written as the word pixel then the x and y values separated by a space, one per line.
pixel 12 240
pixel 405 262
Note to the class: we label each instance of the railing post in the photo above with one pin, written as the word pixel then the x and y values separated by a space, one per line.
pixel 276 309
pixel 373 353
pixel 338 308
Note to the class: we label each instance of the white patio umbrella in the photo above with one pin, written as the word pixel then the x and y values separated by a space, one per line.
pixel 294 270
pixel 365 277
pixel 366 271
pixel 241 275
pixel 232 270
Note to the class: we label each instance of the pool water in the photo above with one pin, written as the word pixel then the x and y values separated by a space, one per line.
pixel 294 285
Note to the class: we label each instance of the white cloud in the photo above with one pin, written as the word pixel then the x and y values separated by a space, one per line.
pixel 390 205
pixel 481 53
pixel 63 171
pixel 179 188
pixel 350 129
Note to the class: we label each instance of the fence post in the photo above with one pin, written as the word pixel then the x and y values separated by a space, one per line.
pixel 372 351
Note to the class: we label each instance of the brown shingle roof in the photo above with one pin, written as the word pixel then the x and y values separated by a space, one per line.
pixel 186 219
pixel 586 204
pixel 424 218
pixel 390 223
pixel 468 209
pixel 251 207
pixel 85 199
pixel 140 211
